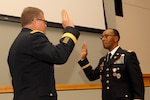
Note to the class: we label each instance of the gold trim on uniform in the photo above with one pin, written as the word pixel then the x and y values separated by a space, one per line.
pixel 34 31
pixel 129 50
pixel 107 69
pixel 107 87
pixel 87 65
pixel 66 39
pixel 70 36
pixel 107 75
pixel 107 81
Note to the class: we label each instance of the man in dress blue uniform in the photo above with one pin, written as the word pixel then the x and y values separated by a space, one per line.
pixel 32 56
pixel 120 74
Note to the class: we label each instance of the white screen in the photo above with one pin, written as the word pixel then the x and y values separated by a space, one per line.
pixel 85 13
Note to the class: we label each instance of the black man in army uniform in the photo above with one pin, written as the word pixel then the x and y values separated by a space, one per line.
pixel 119 70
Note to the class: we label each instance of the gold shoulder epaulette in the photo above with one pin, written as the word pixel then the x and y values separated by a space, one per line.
pixel 129 50
pixel 34 31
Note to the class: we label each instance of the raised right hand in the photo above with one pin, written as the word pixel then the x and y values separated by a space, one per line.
pixel 66 20
pixel 84 51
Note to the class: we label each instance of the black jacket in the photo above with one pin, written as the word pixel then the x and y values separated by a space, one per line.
pixel 121 77
pixel 31 61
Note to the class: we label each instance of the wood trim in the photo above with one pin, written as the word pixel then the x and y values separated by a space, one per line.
pixel 6 89
pixel 146 80
pixel 65 87
pixel 61 87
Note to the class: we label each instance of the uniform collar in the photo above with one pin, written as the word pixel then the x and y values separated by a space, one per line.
pixel 113 51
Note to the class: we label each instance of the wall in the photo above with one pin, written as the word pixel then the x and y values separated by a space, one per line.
pixel 134 29
pixel 73 73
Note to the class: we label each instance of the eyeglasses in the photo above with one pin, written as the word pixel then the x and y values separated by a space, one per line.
pixel 45 21
pixel 106 36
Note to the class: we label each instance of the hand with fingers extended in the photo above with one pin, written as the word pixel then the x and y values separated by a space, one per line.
pixel 84 51
pixel 66 20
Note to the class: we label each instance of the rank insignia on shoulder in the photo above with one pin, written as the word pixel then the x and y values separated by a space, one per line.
pixel 34 31
pixel 129 50
pixel 66 39
pixel 67 36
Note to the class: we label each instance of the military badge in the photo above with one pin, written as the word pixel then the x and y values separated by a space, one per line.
pixel 101 66
pixel 120 60
pixel 118 75
pixel 114 69
pixel 115 74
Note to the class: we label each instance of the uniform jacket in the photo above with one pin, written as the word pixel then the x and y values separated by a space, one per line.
pixel 121 77
pixel 31 61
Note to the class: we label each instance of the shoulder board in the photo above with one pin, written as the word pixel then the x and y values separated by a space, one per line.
pixel 35 31
pixel 129 50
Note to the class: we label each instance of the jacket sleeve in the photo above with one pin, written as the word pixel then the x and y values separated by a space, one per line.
pixel 91 74
pixel 135 74
pixel 44 50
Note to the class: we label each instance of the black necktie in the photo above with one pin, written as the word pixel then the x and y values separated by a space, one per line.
pixel 108 57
